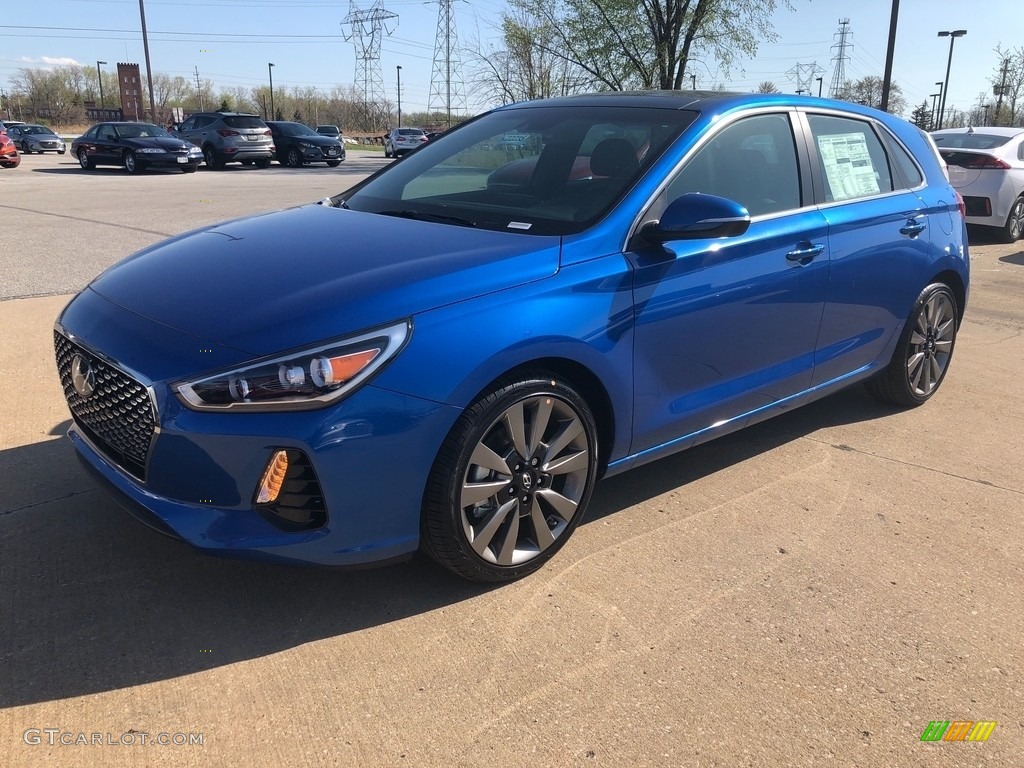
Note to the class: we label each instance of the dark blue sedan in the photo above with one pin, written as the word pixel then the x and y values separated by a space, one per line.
pixel 135 147
pixel 449 355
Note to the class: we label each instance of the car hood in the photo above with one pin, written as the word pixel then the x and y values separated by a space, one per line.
pixel 276 281
pixel 316 141
pixel 168 143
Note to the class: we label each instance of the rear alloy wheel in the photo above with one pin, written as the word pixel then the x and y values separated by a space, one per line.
pixel 85 161
pixel 512 480
pixel 1014 226
pixel 294 158
pixel 130 163
pixel 923 352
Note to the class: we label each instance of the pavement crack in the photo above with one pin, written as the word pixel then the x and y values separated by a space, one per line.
pixel 915 465
pixel 5 512
pixel 88 221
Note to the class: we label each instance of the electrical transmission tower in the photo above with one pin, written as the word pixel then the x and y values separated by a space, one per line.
pixel 840 59
pixel 804 75
pixel 366 30
pixel 447 89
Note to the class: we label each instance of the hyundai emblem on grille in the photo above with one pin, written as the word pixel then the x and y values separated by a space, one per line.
pixel 83 378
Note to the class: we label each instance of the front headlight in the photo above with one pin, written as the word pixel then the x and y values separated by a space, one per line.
pixel 150 151
pixel 301 380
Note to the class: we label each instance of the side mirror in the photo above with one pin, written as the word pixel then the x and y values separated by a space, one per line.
pixel 694 215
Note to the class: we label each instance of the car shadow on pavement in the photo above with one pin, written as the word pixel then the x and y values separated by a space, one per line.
pixel 93 601
pixel 1014 258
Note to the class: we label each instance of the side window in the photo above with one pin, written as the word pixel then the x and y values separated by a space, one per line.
pixel 851 158
pixel 106 132
pixel 909 175
pixel 752 161
pixel 1020 151
pixel 188 125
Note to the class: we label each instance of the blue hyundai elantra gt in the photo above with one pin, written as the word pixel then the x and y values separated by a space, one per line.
pixel 449 355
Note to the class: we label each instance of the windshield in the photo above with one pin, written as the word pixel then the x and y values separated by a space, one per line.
pixel 35 129
pixel 539 170
pixel 139 131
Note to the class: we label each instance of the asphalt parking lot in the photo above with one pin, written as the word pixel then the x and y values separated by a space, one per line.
pixel 812 591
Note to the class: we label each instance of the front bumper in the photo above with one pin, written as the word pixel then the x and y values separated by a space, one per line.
pixel 48 146
pixel 372 454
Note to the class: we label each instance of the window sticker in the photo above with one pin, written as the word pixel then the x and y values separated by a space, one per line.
pixel 848 166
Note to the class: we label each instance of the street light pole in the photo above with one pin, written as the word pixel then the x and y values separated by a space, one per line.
pixel 819 86
pixel 952 35
pixel 398 71
pixel 270 70
pixel 99 77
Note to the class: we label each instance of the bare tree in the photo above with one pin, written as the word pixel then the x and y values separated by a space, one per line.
pixel 868 91
pixel 1010 80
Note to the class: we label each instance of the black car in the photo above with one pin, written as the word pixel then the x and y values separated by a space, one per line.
pixel 136 147
pixel 296 144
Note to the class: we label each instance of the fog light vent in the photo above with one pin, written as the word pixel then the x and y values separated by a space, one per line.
pixel 289 493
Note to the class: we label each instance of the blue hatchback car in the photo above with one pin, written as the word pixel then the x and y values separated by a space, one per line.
pixel 449 355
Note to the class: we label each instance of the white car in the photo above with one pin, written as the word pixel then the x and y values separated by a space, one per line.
pixel 986 165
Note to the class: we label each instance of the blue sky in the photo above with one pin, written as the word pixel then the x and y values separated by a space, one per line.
pixel 231 42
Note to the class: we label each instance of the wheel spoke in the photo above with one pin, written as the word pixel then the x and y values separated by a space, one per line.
pixel 926 375
pixel 943 347
pixel 538 425
pixel 516 428
pixel 917 338
pixel 936 372
pixel 541 532
pixel 563 506
pixel 488 459
pixel 945 329
pixel 474 493
pixel 915 366
pixel 482 538
pixel 570 431
pixel 508 546
pixel 574 462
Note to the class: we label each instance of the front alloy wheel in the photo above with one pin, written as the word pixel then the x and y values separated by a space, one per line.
pixel 512 480
pixel 923 352
pixel 130 163
pixel 84 161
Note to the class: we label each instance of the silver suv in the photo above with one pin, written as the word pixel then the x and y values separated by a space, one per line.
pixel 229 137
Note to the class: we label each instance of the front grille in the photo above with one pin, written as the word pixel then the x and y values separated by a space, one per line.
pixel 117 416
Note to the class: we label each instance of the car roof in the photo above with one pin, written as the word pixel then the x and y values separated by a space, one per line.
pixel 989 130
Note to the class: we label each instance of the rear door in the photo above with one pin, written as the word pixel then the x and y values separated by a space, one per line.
pixel 880 235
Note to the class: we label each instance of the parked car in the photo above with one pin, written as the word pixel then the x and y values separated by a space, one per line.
pixel 229 137
pixel 5 124
pixel 331 131
pixel 36 138
pixel 431 361
pixel 296 145
pixel 398 141
pixel 135 147
pixel 986 165
pixel 9 157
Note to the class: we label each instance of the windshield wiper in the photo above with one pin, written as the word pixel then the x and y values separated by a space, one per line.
pixel 426 216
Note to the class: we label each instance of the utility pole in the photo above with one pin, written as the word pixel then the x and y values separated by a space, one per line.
pixel 840 59
pixel 199 89
pixel 693 80
pixel 99 77
pixel 149 68
pixel 1000 90
pixel 270 70
pixel 887 77
pixel 398 72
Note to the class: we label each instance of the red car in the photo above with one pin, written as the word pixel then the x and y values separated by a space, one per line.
pixel 9 157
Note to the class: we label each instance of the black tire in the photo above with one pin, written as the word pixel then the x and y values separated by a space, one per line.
pixel 213 162
pixel 923 352
pixel 333 163
pixel 294 158
pixel 263 162
pixel 246 162
pixel 387 150
pixel 1012 231
pixel 61 151
pixel 189 168
pixel 512 479
pixel 24 148
pixel 130 163
pixel 85 161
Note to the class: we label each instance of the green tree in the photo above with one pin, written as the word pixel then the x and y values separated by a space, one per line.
pixel 625 44
pixel 767 86
pixel 922 116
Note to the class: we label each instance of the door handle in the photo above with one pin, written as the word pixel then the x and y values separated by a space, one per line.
pixel 805 255
pixel 912 228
